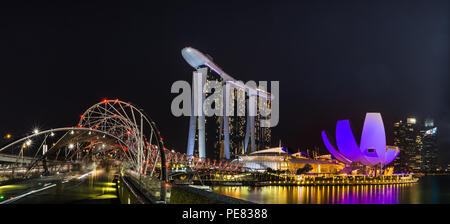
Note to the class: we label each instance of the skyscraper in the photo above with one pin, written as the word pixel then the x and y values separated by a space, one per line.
pixel 418 145
pixel 430 149
pixel 408 137
pixel 238 129
pixel 237 125
pixel 203 64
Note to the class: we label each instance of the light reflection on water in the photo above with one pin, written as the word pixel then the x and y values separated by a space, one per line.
pixel 430 189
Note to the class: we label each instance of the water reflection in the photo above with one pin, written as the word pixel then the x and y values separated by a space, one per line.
pixel 431 189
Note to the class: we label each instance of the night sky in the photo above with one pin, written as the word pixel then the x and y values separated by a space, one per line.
pixel 334 60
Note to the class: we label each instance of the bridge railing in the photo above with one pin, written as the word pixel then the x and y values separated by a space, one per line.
pixel 14 172
pixel 154 189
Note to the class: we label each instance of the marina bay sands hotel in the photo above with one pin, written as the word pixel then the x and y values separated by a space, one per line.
pixel 226 135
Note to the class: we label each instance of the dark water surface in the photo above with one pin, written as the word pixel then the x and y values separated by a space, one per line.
pixel 429 190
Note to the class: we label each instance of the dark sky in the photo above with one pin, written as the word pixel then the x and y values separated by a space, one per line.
pixel 334 60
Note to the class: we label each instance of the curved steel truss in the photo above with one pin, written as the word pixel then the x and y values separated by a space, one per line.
pixel 110 128
pixel 115 130
pixel 143 144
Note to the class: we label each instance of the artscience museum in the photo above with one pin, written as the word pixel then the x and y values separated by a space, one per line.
pixel 372 150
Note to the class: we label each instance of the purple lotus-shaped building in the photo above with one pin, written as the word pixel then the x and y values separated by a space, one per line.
pixel 371 151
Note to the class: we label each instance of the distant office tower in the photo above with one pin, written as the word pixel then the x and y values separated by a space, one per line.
pixel 430 148
pixel 418 145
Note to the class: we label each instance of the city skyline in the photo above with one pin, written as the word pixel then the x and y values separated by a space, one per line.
pixel 256 104
pixel 327 71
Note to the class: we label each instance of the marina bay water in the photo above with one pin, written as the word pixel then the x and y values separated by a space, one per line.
pixel 429 190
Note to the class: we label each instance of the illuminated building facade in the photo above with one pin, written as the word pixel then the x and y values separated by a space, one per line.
pixel 223 146
pixel 418 145
pixel 430 147
pixel 280 159
pixel 372 150
pixel 240 137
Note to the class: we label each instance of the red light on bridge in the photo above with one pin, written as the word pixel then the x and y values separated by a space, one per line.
pixel 104 100
pixel 82 116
